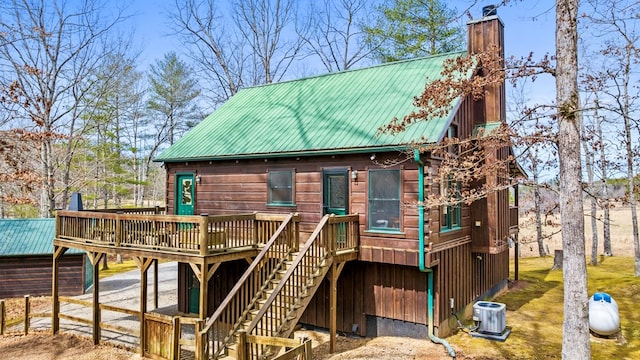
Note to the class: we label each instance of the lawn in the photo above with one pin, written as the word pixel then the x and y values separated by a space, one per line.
pixel 534 313
pixel 535 307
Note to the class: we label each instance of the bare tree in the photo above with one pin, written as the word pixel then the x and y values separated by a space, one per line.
pixel 575 329
pixel 48 49
pixel 616 21
pixel 214 45
pixel 335 33
pixel 589 156
pixel 263 25
pixel 606 205
pixel 247 43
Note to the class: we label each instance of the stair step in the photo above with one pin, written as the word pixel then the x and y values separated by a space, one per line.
pixel 301 294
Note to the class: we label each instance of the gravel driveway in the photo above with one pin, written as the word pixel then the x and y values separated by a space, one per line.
pixel 121 290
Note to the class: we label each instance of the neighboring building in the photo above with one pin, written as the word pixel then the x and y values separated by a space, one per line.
pixel 312 146
pixel 26 258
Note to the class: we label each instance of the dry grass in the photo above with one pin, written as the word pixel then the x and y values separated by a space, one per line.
pixel 535 307
pixel 534 313
pixel 621 234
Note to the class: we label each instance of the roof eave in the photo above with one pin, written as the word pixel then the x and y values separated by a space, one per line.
pixel 289 154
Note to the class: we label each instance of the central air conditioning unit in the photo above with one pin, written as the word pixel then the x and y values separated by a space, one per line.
pixel 490 319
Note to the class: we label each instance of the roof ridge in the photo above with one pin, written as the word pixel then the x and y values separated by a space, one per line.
pixel 390 63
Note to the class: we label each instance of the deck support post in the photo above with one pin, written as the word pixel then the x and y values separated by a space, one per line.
pixel 204 289
pixel 204 273
pixel 335 271
pixel 143 264
pixel 155 283
pixel 55 289
pixel 95 258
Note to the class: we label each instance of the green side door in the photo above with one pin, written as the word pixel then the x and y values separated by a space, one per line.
pixel 336 197
pixel 336 192
pixel 185 192
pixel 184 205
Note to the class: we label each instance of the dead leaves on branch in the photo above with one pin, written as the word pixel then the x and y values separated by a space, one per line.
pixel 479 163
pixel 18 175
pixel 460 77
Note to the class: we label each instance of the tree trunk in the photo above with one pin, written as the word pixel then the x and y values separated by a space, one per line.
pixel 47 202
pixel 626 114
pixel 575 328
pixel 588 160
pixel 606 226
pixel 557 260
pixel 537 201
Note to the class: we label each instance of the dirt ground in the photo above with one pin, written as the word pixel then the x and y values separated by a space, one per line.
pixel 43 346
pixel 69 347
pixel 62 347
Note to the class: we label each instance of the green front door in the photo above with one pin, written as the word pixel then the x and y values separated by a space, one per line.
pixel 184 205
pixel 336 192
pixel 336 198
pixel 184 194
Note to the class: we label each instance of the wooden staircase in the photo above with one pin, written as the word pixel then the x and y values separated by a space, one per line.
pixel 284 283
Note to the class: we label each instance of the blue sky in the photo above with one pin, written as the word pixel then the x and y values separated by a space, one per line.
pixel 529 26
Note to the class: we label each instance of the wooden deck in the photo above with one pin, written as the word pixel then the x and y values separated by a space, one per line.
pixel 205 242
pixel 168 237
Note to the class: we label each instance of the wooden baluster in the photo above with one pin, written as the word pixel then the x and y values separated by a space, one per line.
pixel 118 229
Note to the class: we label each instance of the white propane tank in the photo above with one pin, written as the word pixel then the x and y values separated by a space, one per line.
pixel 603 314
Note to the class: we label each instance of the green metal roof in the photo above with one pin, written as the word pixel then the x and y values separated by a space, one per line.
pixel 333 113
pixel 28 237
pixel 484 130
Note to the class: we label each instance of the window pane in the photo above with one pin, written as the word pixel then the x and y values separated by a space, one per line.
pixel 187 192
pixel 384 199
pixel 337 199
pixel 450 190
pixel 281 187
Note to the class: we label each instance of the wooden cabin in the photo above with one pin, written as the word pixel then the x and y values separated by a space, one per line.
pixel 312 147
pixel 25 260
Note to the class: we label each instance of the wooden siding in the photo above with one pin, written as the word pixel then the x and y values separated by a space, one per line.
pixel 375 289
pixel 400 292
pixel 230 187
pixel 32 275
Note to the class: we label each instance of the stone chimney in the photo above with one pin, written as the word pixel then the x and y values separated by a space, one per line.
pixel 482 35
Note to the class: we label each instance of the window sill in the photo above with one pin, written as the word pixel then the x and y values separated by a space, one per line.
pixel 385 233
pixel 447 230
pixel 291 206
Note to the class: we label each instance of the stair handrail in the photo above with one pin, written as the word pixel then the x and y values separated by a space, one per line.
pixel 301 255
pixel 247 275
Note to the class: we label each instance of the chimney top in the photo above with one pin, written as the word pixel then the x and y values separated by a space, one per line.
pixel 489 10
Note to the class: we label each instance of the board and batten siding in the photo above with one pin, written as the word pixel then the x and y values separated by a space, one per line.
pixel 371 289
pixel 32 275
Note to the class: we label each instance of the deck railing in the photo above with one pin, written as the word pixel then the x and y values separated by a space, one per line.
pixel 156 210
pixel 332 235
pixel 295 282
pixel 234 309
pixel 192 234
